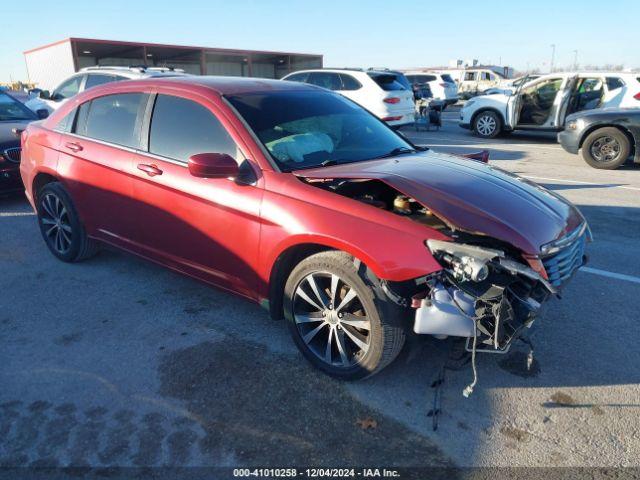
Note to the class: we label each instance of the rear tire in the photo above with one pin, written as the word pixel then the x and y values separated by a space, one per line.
pixel 606 148
pixel 487 124
pixel 60 225
pixel 339 317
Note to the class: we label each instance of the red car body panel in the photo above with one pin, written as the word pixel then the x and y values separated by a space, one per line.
pixel 231 234
pixel 516 211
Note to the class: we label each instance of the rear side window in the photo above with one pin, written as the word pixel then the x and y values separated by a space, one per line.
pixel 298 77
pixel 181 128
pixel 94 79
pixel 66 123
pixel 614 83
pixel 349 83
pixel 469 76
pixel 386 82
pixel 112 118
pixel 327 80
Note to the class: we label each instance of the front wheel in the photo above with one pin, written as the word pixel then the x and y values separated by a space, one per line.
pixel 606 148
pixel 339 318
pixel 487 124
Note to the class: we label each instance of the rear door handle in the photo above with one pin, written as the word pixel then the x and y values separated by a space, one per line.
pixel 73 146
pixel 150 170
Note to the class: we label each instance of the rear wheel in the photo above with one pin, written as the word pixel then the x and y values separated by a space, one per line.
pixel 60 225
pixel 487 124
pixel 606 148
pixel 339 318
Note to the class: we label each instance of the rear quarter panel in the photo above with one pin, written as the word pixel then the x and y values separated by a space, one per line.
pixel 39 155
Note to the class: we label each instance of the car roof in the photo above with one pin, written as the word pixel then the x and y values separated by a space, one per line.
pixel 221 85
pixel 350 71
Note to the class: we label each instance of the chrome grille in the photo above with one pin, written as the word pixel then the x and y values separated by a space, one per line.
pixel 12 154
pixel 561 264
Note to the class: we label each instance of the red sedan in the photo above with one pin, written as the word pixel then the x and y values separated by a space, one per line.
pixel 297 198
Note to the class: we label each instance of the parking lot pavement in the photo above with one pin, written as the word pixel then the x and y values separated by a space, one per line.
pixel 119 362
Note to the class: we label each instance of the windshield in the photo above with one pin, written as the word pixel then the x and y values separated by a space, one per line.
pixel 11 109
pixel 307 129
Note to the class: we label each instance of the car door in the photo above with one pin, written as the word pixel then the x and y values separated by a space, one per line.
pixel 96 153
pixel 208 228
pixel 536 105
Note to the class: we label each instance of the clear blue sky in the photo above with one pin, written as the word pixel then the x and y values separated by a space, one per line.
pixel 349 32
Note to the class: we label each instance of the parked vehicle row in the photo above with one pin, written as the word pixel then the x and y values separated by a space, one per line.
pixel 298 198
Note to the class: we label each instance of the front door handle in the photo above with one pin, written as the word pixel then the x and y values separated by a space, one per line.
pixel 73 146
pixel 150 170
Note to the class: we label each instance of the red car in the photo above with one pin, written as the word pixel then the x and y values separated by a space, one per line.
pixel 297 198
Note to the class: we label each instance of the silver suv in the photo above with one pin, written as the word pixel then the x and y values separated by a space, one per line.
pixel 92 77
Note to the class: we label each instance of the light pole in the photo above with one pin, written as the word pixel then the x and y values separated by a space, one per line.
pixel 553 55
pixel 575 59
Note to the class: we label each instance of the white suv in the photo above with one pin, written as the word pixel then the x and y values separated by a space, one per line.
pixel 442 86
pixel 376 90
pixel 92 77
pixel 544 103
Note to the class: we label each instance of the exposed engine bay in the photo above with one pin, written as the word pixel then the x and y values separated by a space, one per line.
pixel 380 195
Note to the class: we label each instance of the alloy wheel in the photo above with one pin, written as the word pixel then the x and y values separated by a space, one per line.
pixel 486 125
pixel 605 149
pixel 331 319
pixel 55 219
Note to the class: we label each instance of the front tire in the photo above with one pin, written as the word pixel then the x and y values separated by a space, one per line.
pixel 606 148
pixel 339 318
pixel 60 225
pixel 487 124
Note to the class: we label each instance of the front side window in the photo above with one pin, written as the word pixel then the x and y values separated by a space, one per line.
pixel 181 128
pixel 68 88
pixel 112 118
pixel 11 109
pixel 421 78
pixel 306 129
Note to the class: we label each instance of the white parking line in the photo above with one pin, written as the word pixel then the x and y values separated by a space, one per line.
pixel 16 214
pixel 617 276
pixel 577 182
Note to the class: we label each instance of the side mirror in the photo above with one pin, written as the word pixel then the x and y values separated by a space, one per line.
pixel 42 113
pixel 213 165
pixel 44 94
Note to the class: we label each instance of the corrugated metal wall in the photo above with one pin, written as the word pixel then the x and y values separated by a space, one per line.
pixel 48 66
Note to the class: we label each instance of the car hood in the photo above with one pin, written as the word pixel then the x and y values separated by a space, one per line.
pixel 8 139
pixel 470 196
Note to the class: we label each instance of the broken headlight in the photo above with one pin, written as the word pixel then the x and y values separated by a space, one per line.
pixel 466 262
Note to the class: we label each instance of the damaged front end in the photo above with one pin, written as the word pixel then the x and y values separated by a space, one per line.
pixel 486 297
pixel 480 294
